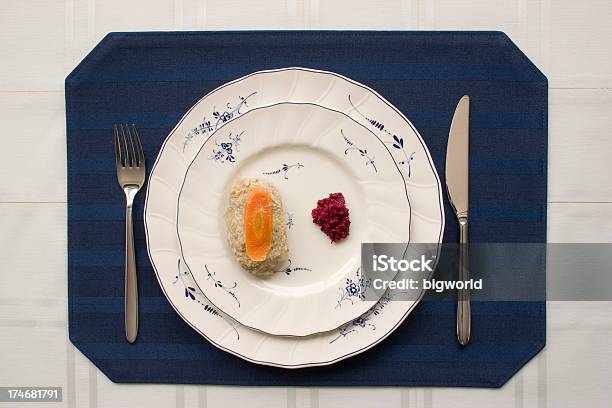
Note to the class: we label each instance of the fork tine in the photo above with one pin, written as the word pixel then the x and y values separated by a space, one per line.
pixel 118 161
pixel 141 159
pixel 127 157
pixel 130 137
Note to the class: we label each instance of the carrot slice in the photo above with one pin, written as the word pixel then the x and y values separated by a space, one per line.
pixel 258 224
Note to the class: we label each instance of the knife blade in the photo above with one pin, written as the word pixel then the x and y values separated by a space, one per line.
pixel 457 185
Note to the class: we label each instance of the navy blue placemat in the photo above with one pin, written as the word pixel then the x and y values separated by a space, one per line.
pixel 152 79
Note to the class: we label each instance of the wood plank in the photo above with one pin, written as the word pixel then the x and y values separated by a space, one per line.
pixel 580 145
pixel 578 354
pixel 33 154
pixel 237 14
pixel 352 15
pixel 362 397
pixel 141 15
pixel 112 395
pixel 34 41
pixel 581 222
pixel 33 248
pixel 257 397
pixel 580 35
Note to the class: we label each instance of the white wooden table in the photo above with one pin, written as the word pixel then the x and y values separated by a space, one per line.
pixel 42 40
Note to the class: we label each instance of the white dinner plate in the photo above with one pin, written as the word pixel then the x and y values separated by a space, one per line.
pixel 307 152
pixel 180 147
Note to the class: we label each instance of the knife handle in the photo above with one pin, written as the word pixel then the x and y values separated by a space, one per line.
pixel 463 300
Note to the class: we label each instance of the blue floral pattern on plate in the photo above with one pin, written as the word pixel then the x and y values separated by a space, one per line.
pixel 218 284
pixel 397 142
pixel 209 125
pixel 362 152
pixel 226 151
pixel 284 169
pixel 289 220
pixel 365 321
pixel 193 292
pixel 352 289
pixel 289 269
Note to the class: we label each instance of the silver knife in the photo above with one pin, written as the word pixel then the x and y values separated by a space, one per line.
pixel 457 184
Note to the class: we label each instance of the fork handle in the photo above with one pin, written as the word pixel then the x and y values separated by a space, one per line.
pixel 131 284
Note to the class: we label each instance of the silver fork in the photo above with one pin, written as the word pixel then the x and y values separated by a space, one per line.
pixel 130 164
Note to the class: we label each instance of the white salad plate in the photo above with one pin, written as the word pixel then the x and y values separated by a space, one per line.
pixel 208 116
pixel 307 152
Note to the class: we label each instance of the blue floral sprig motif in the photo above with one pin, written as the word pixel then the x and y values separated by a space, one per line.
pixel 193 292
pixel 365 320
pixel 226 151
pixel 284 169
pixel 362 152
pixel 352 289
pixel 397 143
pixel 220 285
pixel 289 269
pixel 209 125
pixel 289 220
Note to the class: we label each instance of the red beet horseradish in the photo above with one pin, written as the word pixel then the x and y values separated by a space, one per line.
pixel 332 216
